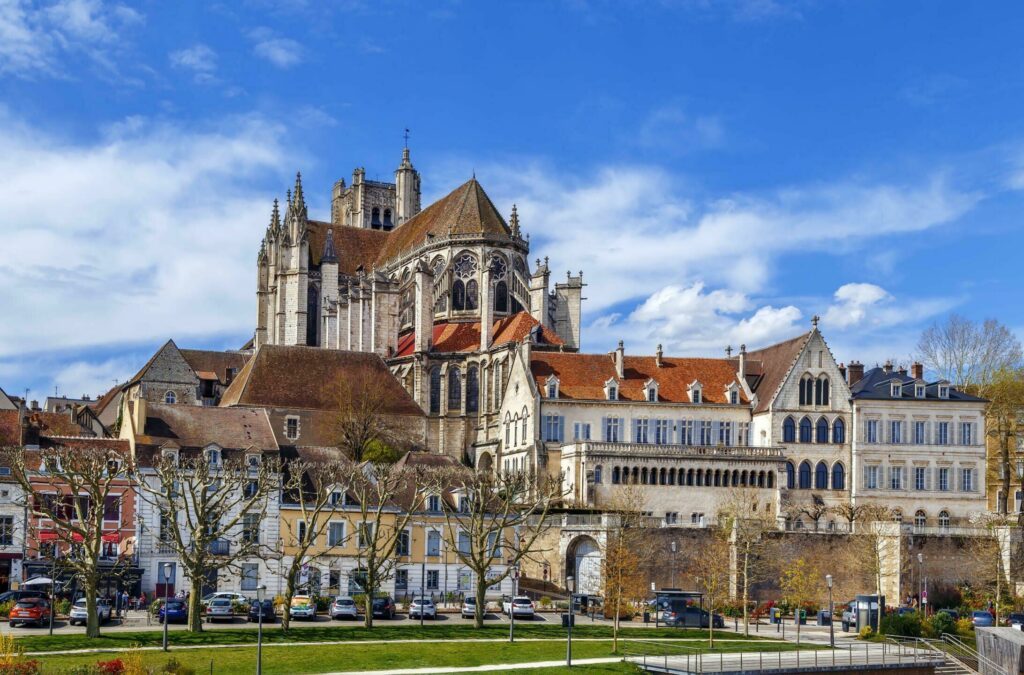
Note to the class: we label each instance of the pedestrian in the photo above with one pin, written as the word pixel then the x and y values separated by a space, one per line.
pixel 142 598
pixel 124 601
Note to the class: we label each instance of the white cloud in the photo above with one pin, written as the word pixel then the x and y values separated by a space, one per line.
pixel 200 59
pixel 282 52
pixel 94 378
pixel 868 306
pixel 147 233
pixel 670 128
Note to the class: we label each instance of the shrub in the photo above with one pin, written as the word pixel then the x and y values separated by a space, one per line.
pixel 964 626
pixel 239 607
pixel 943 623
pixel 866 632
pixel 545 602
pixel 114 667
pixel 907 625
pixel 6 607
pixel 21 668
pixel 63 606
pixel 944 596
pixel 323 603
pixel 172 667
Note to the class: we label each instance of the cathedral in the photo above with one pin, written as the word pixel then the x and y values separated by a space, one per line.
pixel 442 294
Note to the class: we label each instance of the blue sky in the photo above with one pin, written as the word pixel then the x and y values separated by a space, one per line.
pixel 720 171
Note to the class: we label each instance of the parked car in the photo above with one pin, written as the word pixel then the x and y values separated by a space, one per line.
pixel 220 609
pixel 303 607
pixel 173 611
pixel 266 608
pixel 30 610
pixel 694 617
pixel 344 607
pixel 225 595
pixel 905 610
pixel 424 606
pixel 1016 620
pixel 521 606
pixel 79 614
pixel 469 607
pixel 383 607
pixel 954 614
pixel 982 619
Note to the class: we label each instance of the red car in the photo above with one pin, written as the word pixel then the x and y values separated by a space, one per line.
pixel 30 610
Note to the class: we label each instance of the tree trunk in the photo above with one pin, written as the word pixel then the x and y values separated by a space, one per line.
pixel 1002 505
pixel 289 591
pixel 92 625
pixel 615 624
pixel 711 626
pixel 746 593
pixel 481 603
pixel 195 604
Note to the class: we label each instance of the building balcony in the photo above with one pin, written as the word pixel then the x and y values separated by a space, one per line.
pixel 673 451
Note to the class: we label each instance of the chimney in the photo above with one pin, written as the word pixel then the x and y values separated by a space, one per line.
pixel 842 370
pixel 917 371
pixel 657 357
pixel 888 366
pixel 902 371
pixel 741 368
pixel 856 372
pixel 620 358
pixel 35 406
pixel 30 431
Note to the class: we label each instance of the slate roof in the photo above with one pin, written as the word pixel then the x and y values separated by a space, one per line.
pixel 875 385
pixel 10 428
pixel 205 362
pixel 191 426
pixel 769 366
pixel 582 376
pixel 303 377
pixel 465 337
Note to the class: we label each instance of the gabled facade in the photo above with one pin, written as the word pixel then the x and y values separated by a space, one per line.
pixel 5 402
pixel 176 376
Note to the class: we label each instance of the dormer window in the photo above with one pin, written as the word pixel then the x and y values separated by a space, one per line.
pixel 252 461
pixel 434 503
pixel 943 391
pixel 651 391
pixel 732 394
pixel 213 457
pixel 696 392
pixel 551 387
pixel 611 390
pixel 918 391
pixel 895 390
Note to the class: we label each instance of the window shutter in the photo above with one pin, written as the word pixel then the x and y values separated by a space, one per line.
pixel 714 432
pixel 604 429
pixel 974 433
pixel 561 429
pixel 636 431
pixel 865 476
pixel 888 477
pixel 928 478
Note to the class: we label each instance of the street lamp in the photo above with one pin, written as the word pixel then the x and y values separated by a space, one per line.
pixel 570 585
pixel 167 596
pixel 921 600
pixel 53 585
pixel 831 619
pixel 673 564
pixel 261 593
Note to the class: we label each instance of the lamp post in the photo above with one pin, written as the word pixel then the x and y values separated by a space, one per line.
pixel 53 585
pixel 570 585
pixel 261 593
pixel 673 572
pixel 512 604
pixel 1020 477
pixel 166 567
pixel 831 619
pixel 423 586
pixel 920 582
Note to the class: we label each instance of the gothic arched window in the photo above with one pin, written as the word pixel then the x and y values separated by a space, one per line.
pixel 838 476
pixel 472 389
pixel 790 476
pixel 472 295
pixel 821 431
pixel 821 476
pixel 821 391
pixel 501 297
pixel 458 295
pixel 805 475
pixel 375 218
pixel 839 431
pixel 805 430
pixel 806 390
pixel 789 430
pixel 435 390
pixel 388 224
pixel 454 389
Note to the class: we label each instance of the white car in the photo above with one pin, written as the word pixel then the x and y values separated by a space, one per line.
pixel 220 609
pixel 469 607
pixel 79 614
pixel 520 606
pixel 344 607
pixel 225 595
pixel 424 607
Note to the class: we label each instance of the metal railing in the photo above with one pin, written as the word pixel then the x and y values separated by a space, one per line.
pixel 952 650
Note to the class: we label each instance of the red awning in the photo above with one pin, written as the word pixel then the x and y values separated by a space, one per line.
pixel 112 537
pixel 47 536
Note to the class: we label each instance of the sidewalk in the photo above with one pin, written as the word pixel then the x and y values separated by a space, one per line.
pixel 481 669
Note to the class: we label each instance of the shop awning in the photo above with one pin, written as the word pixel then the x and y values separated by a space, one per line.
pixel 112 537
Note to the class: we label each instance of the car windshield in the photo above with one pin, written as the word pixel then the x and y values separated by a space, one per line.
pixel 380 602
pixel 175 604
pixel 220 603
pixel 422 601
pixel 300 602
pixel 80 602
pixel 344 602
pixel 470 601
pixel 28 603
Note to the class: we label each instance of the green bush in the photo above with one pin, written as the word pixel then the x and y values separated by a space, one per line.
pixel 866 632
pixel 964 626
pixel 6 607
pixel 239 607
pixel 323 603
pixel 943 623
pixel 172 667
pixel 907 625
pixel 63 606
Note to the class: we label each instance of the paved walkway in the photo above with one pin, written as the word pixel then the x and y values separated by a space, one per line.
pixel 481 669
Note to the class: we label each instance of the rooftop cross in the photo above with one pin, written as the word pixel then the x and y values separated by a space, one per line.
pixel 814 320
pixel 406 135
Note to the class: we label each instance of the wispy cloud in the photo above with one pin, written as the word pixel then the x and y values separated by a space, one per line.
pixel 671 128
pixel 280 51
pixel 200 59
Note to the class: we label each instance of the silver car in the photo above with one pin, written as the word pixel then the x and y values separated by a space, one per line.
pixel 79 614
pixel 344 607
pixel 469 607
pixel 220 609
pixel 424 607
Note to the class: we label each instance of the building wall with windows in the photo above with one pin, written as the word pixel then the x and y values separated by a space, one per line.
pixel 919 449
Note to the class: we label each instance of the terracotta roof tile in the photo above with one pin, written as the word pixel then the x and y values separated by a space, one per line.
pixel 10 428
pixel 355 246
pixel 304 377
pixel 100 404
pixel 57 424
pixel 771 364
pixel 465 337
pixel 582 376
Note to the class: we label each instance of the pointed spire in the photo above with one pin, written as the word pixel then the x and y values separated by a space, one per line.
pixel 329 254
pixel 514 221
pixel 288 196
pixel 262 255
pixel 300 202
pixel 275 217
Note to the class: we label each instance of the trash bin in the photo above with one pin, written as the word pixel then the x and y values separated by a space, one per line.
pixel 824 618
pixel 568 619
pixel 775 615
pixel 647 617
pixel 802 617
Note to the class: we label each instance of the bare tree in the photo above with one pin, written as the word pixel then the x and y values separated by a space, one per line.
pixel 878 544
pixel 316 482
pixel 73 488
pixel 987 552
pixel 626 552
pixel 849 512
pixel 1004 425
pixel 387 499
pixel 746 520
pixel 799 583
pixel 495 517
pixel 210 509
pixel 365 427
pixel 710 569
pixel 966 353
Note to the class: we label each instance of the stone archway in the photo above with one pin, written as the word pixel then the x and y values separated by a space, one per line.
pixel 583 560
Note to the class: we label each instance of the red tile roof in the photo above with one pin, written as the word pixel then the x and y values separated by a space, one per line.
pixel 582 376
pixel 213 365
pixel 57 424
pixel 100 404
pixel 10 428
pixel 465 337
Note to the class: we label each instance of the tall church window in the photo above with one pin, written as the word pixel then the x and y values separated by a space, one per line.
pixel 458 295
pixel 388 223
pixel 789 430
pixel 465 292
pixel 821 431
pixel 407 306
pixel 472 389
pixel 805 475
pixel 375 218
pixel 790 476
pixel 821 391
pixel 839 431
pixel 501 297
pixel 821 476
pixel 454 389
pixel 435 390
pixel 472 295
pixel 805 430
pixel 838 476
pixel 806 390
